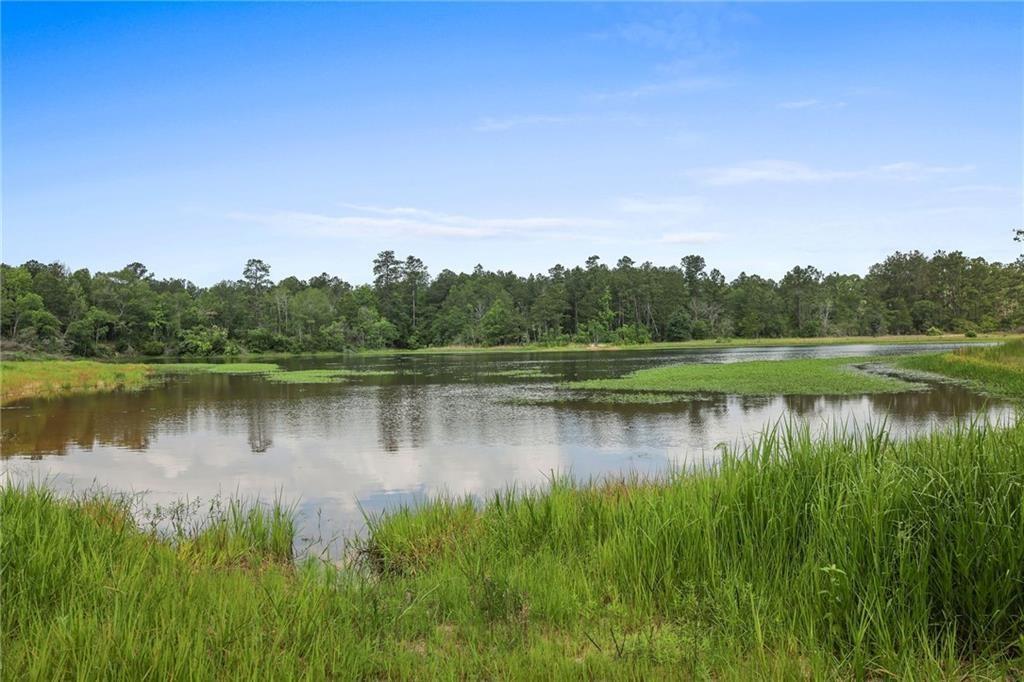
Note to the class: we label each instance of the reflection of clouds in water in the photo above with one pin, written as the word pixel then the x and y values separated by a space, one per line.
pixel 399 439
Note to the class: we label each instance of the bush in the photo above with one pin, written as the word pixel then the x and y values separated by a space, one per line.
pixel 202 340
pixel 971 334
pixel 632 334
pixel 152 348
pixel 934 331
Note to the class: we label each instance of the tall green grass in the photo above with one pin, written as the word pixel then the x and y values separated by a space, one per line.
pixel 26 379
pixel 852 555
pixel 996 369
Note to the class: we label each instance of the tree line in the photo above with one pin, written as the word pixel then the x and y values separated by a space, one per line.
pixel 130 311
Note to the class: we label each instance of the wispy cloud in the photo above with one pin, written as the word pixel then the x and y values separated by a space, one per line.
pixel 771 170
pixel 674 86
pixel 779 171
pixel 690 237
pixel 812 103
pixel 985 189
pixel 489 124
pixel 378 221
pixel 495 124
pixel 911 170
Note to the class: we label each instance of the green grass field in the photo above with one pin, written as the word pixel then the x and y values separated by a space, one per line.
pixel 831 376
pixel 854 555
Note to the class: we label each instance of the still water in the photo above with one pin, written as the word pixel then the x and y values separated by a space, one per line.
pixel 435 423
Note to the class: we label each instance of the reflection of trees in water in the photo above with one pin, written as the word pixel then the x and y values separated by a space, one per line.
pixel 401 411
pixel 405 414
pixel 130 419
pixel 260 426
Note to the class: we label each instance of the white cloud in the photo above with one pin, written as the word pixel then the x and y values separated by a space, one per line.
pixel 912 169
pixel 490 125
pixel 376 221
pixel 811 103
pixel 771 170
pixel 690 237
pixel 678 85
pixel 779 171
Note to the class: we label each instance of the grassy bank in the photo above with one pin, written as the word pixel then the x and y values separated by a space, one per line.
pixel 825 376
pixel 854 555
pixel 997 369
pixel 909 339
pixel 49 378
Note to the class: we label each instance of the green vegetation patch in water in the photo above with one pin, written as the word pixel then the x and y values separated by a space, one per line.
pixel 818 376
pixel 322 376
pixel 583 399
pixel 526 373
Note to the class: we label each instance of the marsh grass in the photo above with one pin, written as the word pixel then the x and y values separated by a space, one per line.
pixel 996 369
pixel 605 398
pixel 818 376
pixel 851 555
pixel 23 379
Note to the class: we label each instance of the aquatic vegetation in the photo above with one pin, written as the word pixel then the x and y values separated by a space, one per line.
pixel 995 369
pixel 825 376
pixel 24 379
pixel 525 373
pixel 854 555
pixel 582 399
pixel 322 376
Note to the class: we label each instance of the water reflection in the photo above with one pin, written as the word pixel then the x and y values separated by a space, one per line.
pixel 436 424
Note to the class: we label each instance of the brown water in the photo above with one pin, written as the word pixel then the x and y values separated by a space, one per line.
pixel 438 423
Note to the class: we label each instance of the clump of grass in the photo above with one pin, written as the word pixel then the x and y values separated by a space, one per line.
pixel 853 555
pixel 582 399
pixel 996 369
pixel 825 376
pixel 23 379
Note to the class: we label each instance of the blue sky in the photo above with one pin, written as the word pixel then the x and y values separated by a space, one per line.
pixel 191 137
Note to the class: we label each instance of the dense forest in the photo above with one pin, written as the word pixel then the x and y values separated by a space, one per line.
pixel 49 308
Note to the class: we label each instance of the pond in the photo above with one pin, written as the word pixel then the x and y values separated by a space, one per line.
pixel 427 424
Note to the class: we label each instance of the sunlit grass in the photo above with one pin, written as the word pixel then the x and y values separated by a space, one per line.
pixel 24 379
pixel 853 555
pixel 824 376
pixel 996 369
